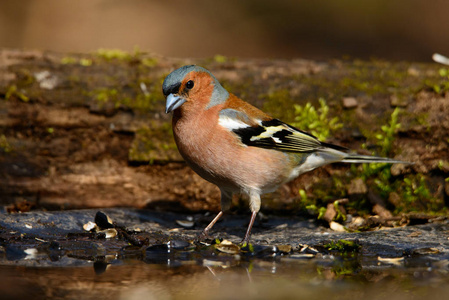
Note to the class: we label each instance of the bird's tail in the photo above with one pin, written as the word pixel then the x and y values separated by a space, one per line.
pixel 356 158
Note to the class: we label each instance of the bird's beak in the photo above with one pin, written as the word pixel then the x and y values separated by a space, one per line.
pixel 173 102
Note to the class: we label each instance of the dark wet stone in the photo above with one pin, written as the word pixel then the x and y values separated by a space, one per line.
pixel 178 244
pixel 55 246
pixel 103 221
pixel 163 248
pixel 14 253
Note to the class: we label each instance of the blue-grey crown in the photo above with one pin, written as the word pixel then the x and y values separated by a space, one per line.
pixel 172 83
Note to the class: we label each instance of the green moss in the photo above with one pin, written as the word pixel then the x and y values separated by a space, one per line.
pixel 384 142
pixel 220 58
pixel 244 89
pixel 14 92
pixel 413 190
pixel 367 87
pixel 140 97
pixel 279 103
pixel 149 61
pixel 311 205
pixel 392 85
pixel 142 102
pixel 69 60
pixel 86 62
pixel 154 143
pixel 415 195
pixel 439 85
pixel 386 138
pixel 340 217
pixel 359 78
pixel 343 246
pixel 5 146
pixel 316 120
pixel 217 59
pixel 318 212
pixel 104 95
pixel 136 56
pixel 114 54
pixel 416 119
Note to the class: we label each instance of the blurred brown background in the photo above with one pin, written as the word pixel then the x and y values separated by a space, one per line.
pixel 319 29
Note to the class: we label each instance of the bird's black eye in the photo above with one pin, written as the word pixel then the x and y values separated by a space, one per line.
pixel 189 84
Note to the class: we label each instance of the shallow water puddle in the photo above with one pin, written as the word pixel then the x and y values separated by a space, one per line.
pixel 326 277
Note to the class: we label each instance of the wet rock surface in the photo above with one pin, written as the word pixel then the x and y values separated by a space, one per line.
pixel 50 255
pixel 62 233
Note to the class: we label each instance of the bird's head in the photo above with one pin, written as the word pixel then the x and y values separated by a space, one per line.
pixel 192 87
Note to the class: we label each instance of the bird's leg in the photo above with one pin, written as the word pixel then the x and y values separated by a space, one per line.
pixel 250 226
pixel 226 199
pixel 254 205
pixel 205 232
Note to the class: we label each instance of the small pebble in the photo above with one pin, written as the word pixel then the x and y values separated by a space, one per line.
pixel 284 248
pixel 228 247
pixel 412 71
pixel 302 255
pixel 349 102
pixel 357 187
pixel 358 221
pixel 109 233
pixel 396 101
pixel 185 223
pixel 337 227
pixel 89 226
pixel 393 261
pixel 307 248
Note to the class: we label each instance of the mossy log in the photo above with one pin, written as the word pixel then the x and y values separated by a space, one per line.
pixel 89 130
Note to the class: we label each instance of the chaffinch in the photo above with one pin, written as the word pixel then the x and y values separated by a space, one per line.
pixel 238 147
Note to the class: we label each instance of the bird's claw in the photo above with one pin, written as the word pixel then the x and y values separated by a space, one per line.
pixel 204 235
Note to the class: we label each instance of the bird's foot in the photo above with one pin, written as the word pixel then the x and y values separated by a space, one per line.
pixel 245 242
pixel 203 236
pixel 246 246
